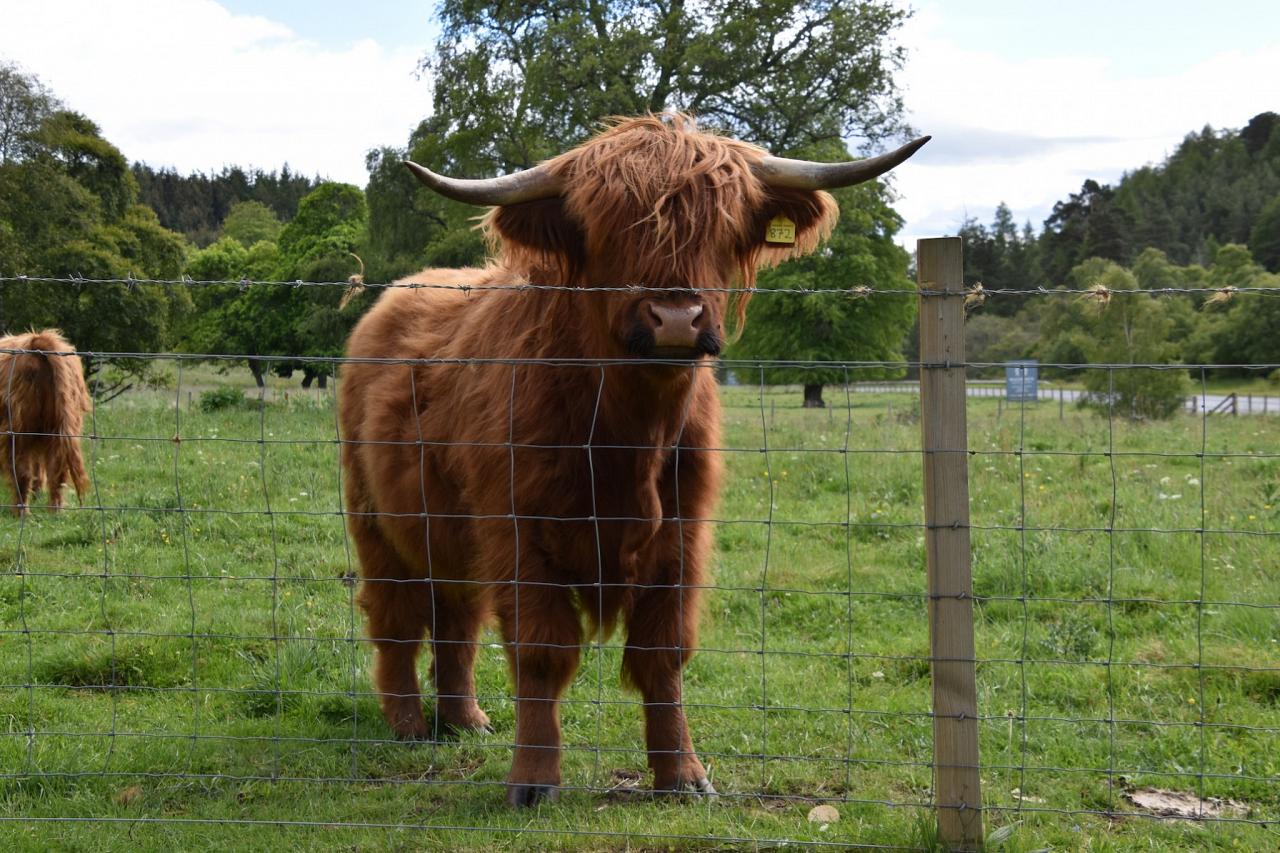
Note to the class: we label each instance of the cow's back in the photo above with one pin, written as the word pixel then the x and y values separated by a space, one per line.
pixel 399 411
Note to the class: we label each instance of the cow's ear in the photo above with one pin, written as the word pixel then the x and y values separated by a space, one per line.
pixel 789 224
pixel 538 236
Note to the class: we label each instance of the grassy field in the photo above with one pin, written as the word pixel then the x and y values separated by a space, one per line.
pixel 182 663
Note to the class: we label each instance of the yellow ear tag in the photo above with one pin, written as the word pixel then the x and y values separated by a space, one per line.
pixel 780 230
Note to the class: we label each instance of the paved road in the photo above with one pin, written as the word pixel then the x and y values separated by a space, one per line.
pixel 1245 404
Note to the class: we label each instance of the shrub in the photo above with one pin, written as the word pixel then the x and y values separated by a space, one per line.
pixel 226 397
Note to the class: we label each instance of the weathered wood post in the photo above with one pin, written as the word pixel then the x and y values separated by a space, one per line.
pixel 944 441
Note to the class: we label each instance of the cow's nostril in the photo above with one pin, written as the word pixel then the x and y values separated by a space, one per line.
pixel 657 317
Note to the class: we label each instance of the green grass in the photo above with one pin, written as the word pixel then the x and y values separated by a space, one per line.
pixel 184 668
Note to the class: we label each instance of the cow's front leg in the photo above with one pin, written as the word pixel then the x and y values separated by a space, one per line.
pixel 661 634
pixel 543 637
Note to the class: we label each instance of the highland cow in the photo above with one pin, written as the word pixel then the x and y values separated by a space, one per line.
pixel 548 455
pixel 43 401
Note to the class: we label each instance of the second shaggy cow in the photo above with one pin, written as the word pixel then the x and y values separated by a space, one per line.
pixel 43 401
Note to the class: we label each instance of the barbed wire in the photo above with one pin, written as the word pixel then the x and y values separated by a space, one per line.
pixel 975 293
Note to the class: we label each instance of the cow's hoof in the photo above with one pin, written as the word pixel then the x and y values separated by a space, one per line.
pixel 453 731
pixel 471 720
pixel 699 787
pixel 522 796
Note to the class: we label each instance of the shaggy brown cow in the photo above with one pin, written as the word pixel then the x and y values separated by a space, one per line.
pixel 551 459
pixel 43 400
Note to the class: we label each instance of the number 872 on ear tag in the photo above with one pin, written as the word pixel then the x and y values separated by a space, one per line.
pixel 780 230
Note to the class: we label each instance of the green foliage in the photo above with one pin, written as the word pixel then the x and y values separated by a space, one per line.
pixel 75 145
pixel 786 75
pixel 222 398
pixel 250 222
pixel 1087 225
pixel 861 252
pixel 1264 238
pixel 272 320
pixel 197 204
pixel 1000 257
pixel 1219 187
pixel 992 338
pixel 68 207
pixel 1121 330
pixel 24 103
pixel 316 244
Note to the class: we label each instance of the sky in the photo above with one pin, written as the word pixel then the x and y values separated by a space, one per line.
pixel 1024 100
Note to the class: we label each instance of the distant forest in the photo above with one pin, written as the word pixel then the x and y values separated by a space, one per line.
pixel 196 205
pixel 1218 187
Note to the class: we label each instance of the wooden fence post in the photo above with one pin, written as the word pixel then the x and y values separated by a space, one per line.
pixel 944 441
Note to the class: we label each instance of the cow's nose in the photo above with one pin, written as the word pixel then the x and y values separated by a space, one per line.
pixel 675 327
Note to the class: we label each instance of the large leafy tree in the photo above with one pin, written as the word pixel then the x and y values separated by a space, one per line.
pixel 69 207
pixel 250 222
pixel 274 320
pixel 24 104
pixel 516 83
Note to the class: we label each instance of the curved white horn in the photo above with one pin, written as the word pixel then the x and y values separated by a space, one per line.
pixel 809 175
pixel 529 185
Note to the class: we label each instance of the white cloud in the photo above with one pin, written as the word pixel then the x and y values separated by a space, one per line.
pixel 190 84
pixel 186 83
pixel 1029 132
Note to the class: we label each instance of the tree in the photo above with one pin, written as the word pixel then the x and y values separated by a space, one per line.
pixel 250 222
pixel 786 75
pixel 272 320
pixel 999 258
pixel 810 328
pixel 1088 225
pixel 228 320
pixel 197 204
pixel 24 104
pixel 1130 329
pixel 68 206
pixel 1264 238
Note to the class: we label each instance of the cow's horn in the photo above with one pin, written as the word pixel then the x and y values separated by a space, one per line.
pixel 529 185
pixel 808 175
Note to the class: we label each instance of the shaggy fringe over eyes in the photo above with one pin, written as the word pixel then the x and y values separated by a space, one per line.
pixel 668 205
pixel 662 197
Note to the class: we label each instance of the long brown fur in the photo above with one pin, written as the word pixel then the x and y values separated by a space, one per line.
pixel 43 401
pixel 561 498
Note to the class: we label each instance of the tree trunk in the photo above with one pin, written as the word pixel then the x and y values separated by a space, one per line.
pixel 813 397
pixel 255 367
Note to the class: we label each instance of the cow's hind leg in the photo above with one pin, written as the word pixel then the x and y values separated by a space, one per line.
pixel 398 607
pixel 661 634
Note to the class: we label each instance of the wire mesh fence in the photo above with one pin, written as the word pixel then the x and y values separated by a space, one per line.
pixel 184 649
